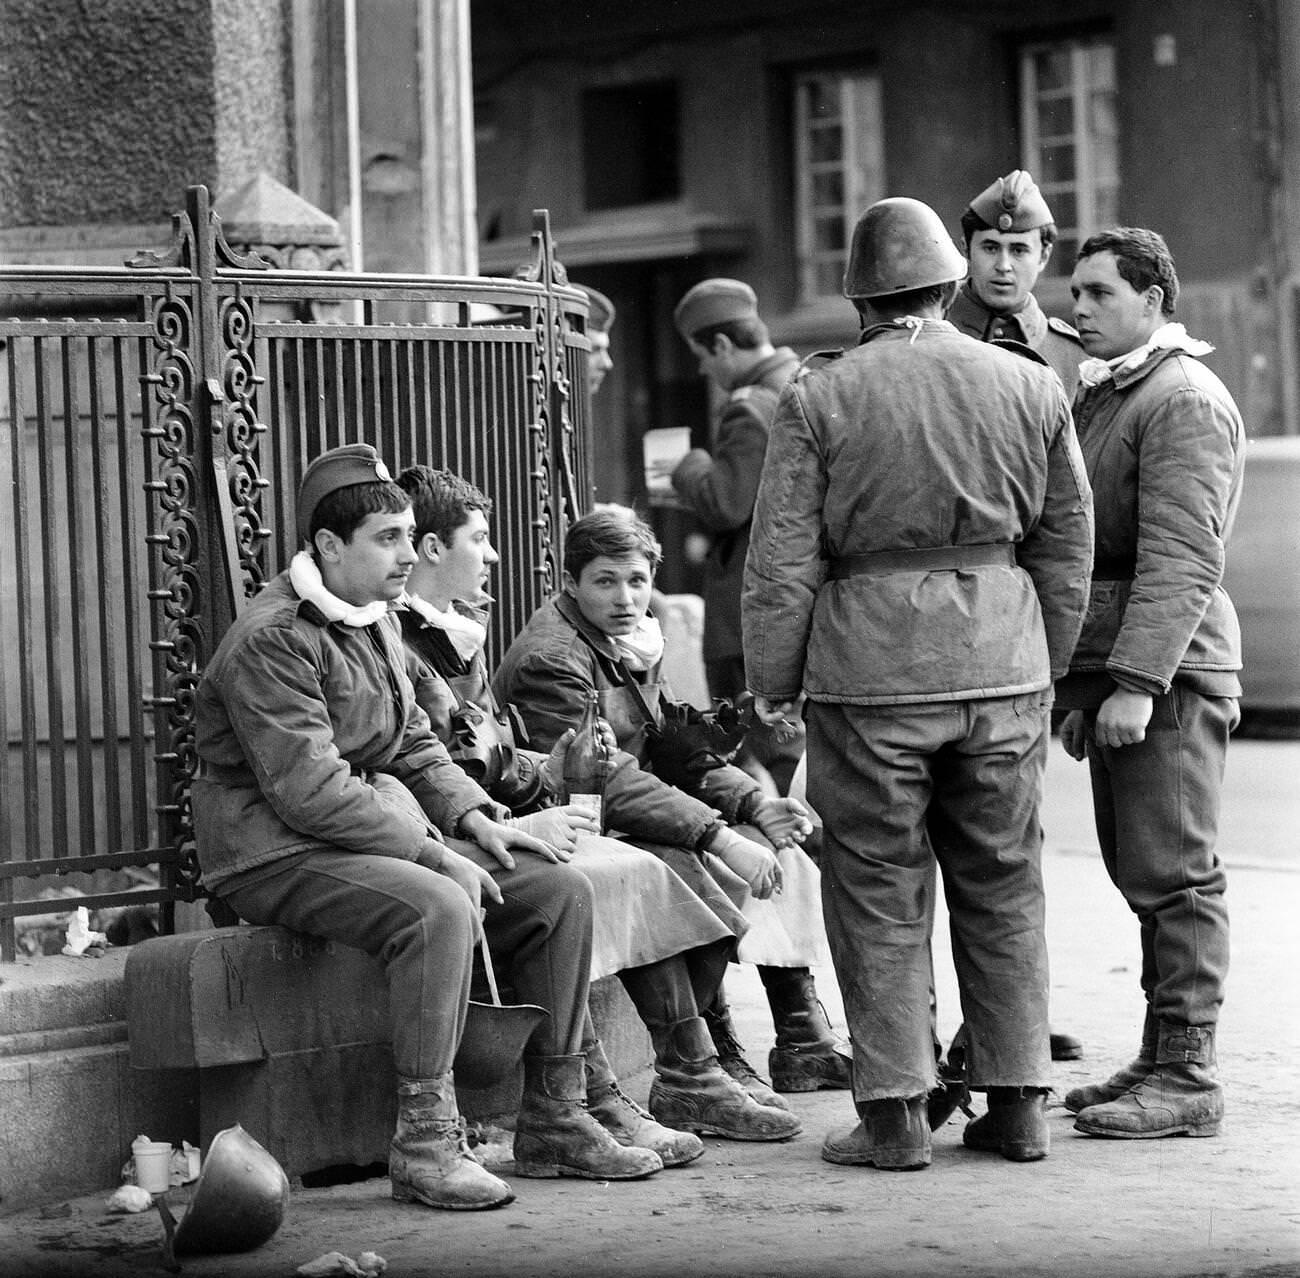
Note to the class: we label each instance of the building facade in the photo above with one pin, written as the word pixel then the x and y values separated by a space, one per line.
pixel 672 142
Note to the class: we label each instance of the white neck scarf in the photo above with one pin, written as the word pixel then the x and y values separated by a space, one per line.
pixel 1092 372
pixel 305 577
pixel 644 646
pixel 467 635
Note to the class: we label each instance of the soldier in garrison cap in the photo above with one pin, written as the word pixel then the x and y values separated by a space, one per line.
pixel 1009 234
pixel 719 320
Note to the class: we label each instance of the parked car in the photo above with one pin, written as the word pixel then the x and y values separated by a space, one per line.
pixel 1263 578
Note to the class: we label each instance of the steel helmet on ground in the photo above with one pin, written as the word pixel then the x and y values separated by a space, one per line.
pixel 900 244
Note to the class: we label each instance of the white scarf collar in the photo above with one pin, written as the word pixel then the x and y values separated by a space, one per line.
pixel 1092 372
pixel 644 646
pixel 305 577
pixel 467 634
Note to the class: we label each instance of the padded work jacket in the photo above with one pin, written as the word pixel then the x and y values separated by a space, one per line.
pixel 1165 449
pixel 309 736
pixel 919 439
pixel 546 674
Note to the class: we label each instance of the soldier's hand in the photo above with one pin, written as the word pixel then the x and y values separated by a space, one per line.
pixel 783 821
pixel 1123 718
pixel 497 839
pixel 560 827
pixel 474 879
pixel 1074 734
pixel 776 714
pixel 753 862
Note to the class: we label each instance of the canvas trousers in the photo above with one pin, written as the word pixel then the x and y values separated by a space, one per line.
pixel 1156 806
pixel 420 925
pixel 903 789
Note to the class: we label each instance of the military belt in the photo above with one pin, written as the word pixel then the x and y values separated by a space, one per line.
pixel 923 559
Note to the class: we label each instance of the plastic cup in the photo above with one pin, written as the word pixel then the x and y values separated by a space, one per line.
pixel 153 1165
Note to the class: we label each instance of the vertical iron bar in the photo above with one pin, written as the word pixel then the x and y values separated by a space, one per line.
pixel 134 574
pixel 73 573
pixel 46 428
pixel 22 579
pixel 109 632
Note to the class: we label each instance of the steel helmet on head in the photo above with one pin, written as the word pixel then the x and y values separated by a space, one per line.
pixel 898 245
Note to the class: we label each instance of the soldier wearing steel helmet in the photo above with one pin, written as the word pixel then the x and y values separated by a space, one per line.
pixel 1009 233
pixel 918 570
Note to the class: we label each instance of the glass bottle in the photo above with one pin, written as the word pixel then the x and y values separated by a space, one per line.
pixel 587 761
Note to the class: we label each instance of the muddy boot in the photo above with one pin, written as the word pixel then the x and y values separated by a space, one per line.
pixel 1121 1080
pixel 1015 1125
pixel 693 1093
pixel 893 1135
pixel 731 1056
pixel 805 1056
pixel 626 1121
pixel 556 1136
pixel 429 1160
pixel 1181 1096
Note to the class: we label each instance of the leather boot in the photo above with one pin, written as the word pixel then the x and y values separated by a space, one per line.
pixel 731 1056
pixel 893 1134
pixel 625 1120
pixel 1065 1047
pixel 1121 1080
pixel 805 1056
pixel 429 1159
pixel 1015 1125
pixel 1181 1096
pixel 556 1136
pixel 692 1092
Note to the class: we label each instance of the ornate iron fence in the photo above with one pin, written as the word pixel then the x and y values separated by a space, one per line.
pixel 154 420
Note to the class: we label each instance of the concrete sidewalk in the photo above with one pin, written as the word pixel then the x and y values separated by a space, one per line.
pixel 1173 1208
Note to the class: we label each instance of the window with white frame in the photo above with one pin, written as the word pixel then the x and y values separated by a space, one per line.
pixel 839 170
pixel 1071 139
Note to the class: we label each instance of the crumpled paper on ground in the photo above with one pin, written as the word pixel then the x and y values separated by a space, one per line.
pixel 80 937
pixel 367 1265
pixel 130 1198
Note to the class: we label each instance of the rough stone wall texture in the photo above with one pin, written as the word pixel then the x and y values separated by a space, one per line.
pixel 251 84
pixel 107 110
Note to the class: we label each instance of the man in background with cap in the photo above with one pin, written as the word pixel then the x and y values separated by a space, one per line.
pixel 918 571
pixel 600 319
pixel 719 320
pixel 1009 234
pixel 326 804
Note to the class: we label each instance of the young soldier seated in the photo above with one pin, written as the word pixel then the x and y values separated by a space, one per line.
pixel 716 828
pixel 326 804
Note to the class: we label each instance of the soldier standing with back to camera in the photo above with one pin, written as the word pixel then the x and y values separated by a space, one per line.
pixel 918 569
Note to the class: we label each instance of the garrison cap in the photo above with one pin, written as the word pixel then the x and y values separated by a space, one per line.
pixel 1012 203
pixel 338 468
pixel 712 302
pixel 600 310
